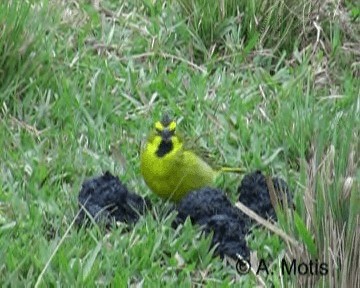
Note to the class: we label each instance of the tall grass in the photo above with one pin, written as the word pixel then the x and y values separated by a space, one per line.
pixel 23 60
pixel 328 203
pixel 275 25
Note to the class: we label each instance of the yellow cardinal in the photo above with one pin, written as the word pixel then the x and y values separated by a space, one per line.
pixel 170 170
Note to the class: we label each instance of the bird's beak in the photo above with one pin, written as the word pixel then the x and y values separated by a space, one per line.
pixel 166 135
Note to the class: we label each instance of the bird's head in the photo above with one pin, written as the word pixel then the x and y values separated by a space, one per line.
pixel 166 139
pixel 166 128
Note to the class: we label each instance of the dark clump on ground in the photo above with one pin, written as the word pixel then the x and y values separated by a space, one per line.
pixel 211 209
pixel 254 194
pixel 107 200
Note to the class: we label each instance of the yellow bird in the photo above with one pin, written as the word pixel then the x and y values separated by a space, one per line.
pixel 170 170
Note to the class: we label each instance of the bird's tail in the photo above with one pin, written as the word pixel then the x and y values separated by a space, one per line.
pixel 232 170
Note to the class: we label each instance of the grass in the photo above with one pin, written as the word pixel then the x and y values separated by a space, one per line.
pixel 80 84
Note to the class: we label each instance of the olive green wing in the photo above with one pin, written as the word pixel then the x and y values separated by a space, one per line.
pixel 202 151
pixel 210 156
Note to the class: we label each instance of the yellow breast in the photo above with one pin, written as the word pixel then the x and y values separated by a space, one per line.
pixel 175 174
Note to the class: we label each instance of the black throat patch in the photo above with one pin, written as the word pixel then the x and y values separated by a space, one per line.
pixel 164 148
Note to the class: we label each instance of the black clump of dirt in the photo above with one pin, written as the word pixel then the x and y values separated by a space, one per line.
pixel 254 194
pixel 106 199
pixel 211 209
